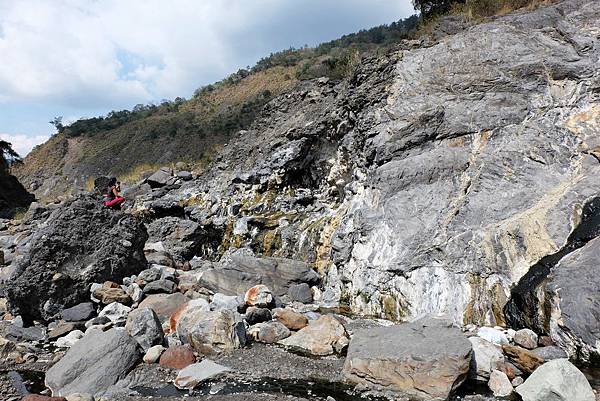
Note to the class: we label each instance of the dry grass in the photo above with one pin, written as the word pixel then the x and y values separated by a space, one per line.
pixel 480 10
pixel 275 80
pixel 137 173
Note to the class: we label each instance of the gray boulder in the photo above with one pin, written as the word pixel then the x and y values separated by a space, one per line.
pixel 551 352
pixel 82 242
pixel 94 363
pixel 143 325
pixel 208 332
pixel 324 336
pixel 487 357
pixel 161 178
pixel 243 272
pixel 79 312
pixel 300 293
pixel 160 287
pixel 427 359
pixel 557 380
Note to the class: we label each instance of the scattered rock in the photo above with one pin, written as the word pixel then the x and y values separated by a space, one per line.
pixel 115 312
pixel 70 339
pixel 492 335
pixel 184 175
pixel 63 328
pixel 290 318
pixel 259 296
pixel 143 325
pixel 269 332
pixel 196 373
pixel 526 338
pixel 211 332
pixel 499 384
pixel 486 358
pixel 94 363
pixel 546 341
pixel 551 352
pixel 108 295
pixel 160 287
pixel 522 358
pixel 33 333
pixel 257 315
pixel 300 293
pixel 222 301
pixel 557 380
pixel 148 276
pixel 79 312
pixel 427 359
pixel 177 357
pixel 153 354
pixel 517 381
pixel 161 178
pixel 164 305
pixel 321 337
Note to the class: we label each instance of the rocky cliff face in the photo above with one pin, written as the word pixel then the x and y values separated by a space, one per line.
pixel 435 180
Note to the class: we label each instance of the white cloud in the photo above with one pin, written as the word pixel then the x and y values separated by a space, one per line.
pixel 69 50
pixel 23 144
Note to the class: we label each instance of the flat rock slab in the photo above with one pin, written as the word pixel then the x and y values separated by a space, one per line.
pixel 196 373
pixel 427 359
pixel 94 363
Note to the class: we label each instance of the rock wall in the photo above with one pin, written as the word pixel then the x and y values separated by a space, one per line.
pixel 429 182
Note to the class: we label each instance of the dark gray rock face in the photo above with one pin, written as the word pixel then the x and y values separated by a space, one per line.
pixel 13 195
pixel 569 300
pixel 243 272
pixel 94 363
pixel 79 312
pixel 427 359
pixel 81 242
pixel 181 238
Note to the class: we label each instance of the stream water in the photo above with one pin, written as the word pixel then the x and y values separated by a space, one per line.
pixel 33 382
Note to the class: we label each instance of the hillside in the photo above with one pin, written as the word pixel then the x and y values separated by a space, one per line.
pixel 130 143
pixel 426 227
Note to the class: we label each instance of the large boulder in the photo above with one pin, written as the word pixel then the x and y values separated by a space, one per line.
pixel 557 380
pixel 82 242
pixel 94 363
pixel 143 325
pixel 427 359
pixel 243 272
pixel 487 357
pixel 324 336
pixel 209 332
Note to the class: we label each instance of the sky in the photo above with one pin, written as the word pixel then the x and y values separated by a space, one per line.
pixel 83 58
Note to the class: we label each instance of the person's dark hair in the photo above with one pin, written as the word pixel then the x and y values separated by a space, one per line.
pixel 112 181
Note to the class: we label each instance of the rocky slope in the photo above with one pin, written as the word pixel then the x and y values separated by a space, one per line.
pixel 432 181
pixel 455 177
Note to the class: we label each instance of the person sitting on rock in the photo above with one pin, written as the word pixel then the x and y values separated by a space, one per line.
pixel 113 199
